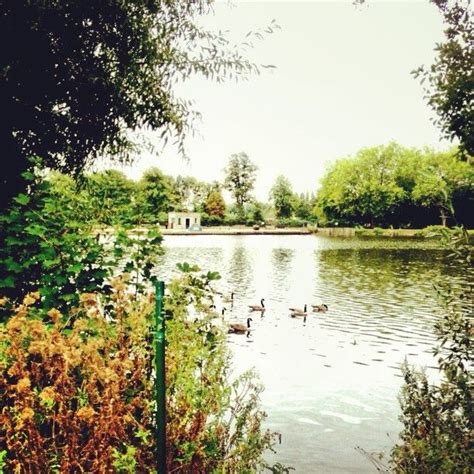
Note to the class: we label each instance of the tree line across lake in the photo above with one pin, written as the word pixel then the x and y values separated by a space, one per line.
pixel 387 185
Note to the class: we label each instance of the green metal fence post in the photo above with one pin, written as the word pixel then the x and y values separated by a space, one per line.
pixel 160 385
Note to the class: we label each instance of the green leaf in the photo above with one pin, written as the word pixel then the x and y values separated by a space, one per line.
pixel 13 266
pixel 186 268
pixel 210 276
pixel 50 263
pixel 36 229
pixel 28 175
pixel 22 199
pixel 75 268
pixel 8 282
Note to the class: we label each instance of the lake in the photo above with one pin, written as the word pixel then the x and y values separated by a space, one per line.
pixel 332 381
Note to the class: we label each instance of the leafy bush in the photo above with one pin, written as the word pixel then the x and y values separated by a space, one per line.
pixel 291 222
pixel 81 399
pixel 73 398
pixel 206 219
pixel 438 421
pixel 433 231
pixel 49 242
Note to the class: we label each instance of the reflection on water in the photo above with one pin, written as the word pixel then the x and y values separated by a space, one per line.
pixel 332 380
pixel 239 272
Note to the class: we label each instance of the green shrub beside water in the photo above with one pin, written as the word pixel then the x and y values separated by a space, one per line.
pixel 438 420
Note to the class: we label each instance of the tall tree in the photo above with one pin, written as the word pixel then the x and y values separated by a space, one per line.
pixel 77 77
pixel 215 204
pixel 450 79
pixel 439 178
pixel 282 196
pixel 111 195
pixel 155 194
pixel 363 189
pixel 240 179
pixel 303 206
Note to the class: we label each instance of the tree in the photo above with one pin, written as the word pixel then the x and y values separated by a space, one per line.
pixel 111 194
pixel 254 213
pixel 183 187
pixel 240 179
pixel 450 80
pixel 77 78
pixel 215 204
pixel 303 206
pixel 439 177
pixel 48 244
pixel 155 195
pixel 282 196
pixel 363 189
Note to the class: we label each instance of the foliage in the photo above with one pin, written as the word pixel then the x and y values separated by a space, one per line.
pixel 292 222
pixel 240 179
pixel 82 399
pixel 450 83
pixel 183 188
pixel 111 196
pixel 155 194
pixel 49 242
pixel 281 194
pixel 215 204
pixel 72 399
pixel 438 178
pixel 221 418
pixel 392 185
pixel 363 189
pixel 78 78
pixel 438 421
pixel 254 213
pixel 303 206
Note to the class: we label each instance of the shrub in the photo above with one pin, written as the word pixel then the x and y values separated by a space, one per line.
pixel 438 420
pixel 433 231
pixel 206 219
pixel 291 222
pixel 73 399
pixel 49 242
pixel 81 399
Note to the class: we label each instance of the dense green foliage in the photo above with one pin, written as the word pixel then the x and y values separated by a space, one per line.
pixel 449 81
pixel 380 186
pixel 49 242
pixel 438 420
pixel 78 78
pixel 392 185
pixel 240 179
pixel 281 195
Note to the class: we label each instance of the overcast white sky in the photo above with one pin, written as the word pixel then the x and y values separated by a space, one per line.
pixel 342 81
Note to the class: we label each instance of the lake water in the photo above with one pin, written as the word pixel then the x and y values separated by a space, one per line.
pixel 331 382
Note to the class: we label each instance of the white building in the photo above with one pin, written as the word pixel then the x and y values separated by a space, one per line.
pixel 184 220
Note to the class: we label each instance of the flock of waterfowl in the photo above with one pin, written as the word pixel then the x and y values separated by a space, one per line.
pixel 239 328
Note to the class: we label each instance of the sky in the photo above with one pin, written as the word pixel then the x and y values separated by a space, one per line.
pixel 341 82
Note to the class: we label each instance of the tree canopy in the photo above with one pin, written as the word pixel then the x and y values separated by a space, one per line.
pixel 240 179
pixel 395 185
pixel 449 81
pixel 78 77
pixel 282 196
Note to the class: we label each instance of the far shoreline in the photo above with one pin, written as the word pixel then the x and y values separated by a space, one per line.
pixel 347 232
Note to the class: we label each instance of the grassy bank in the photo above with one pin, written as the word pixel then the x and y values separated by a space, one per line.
pixel 427 232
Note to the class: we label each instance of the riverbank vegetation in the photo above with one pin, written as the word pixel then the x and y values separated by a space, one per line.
pixel 77 386
pixel 76 326
pixel 76 360
pixel 397 186
pixel 388 186
pixel 438 420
